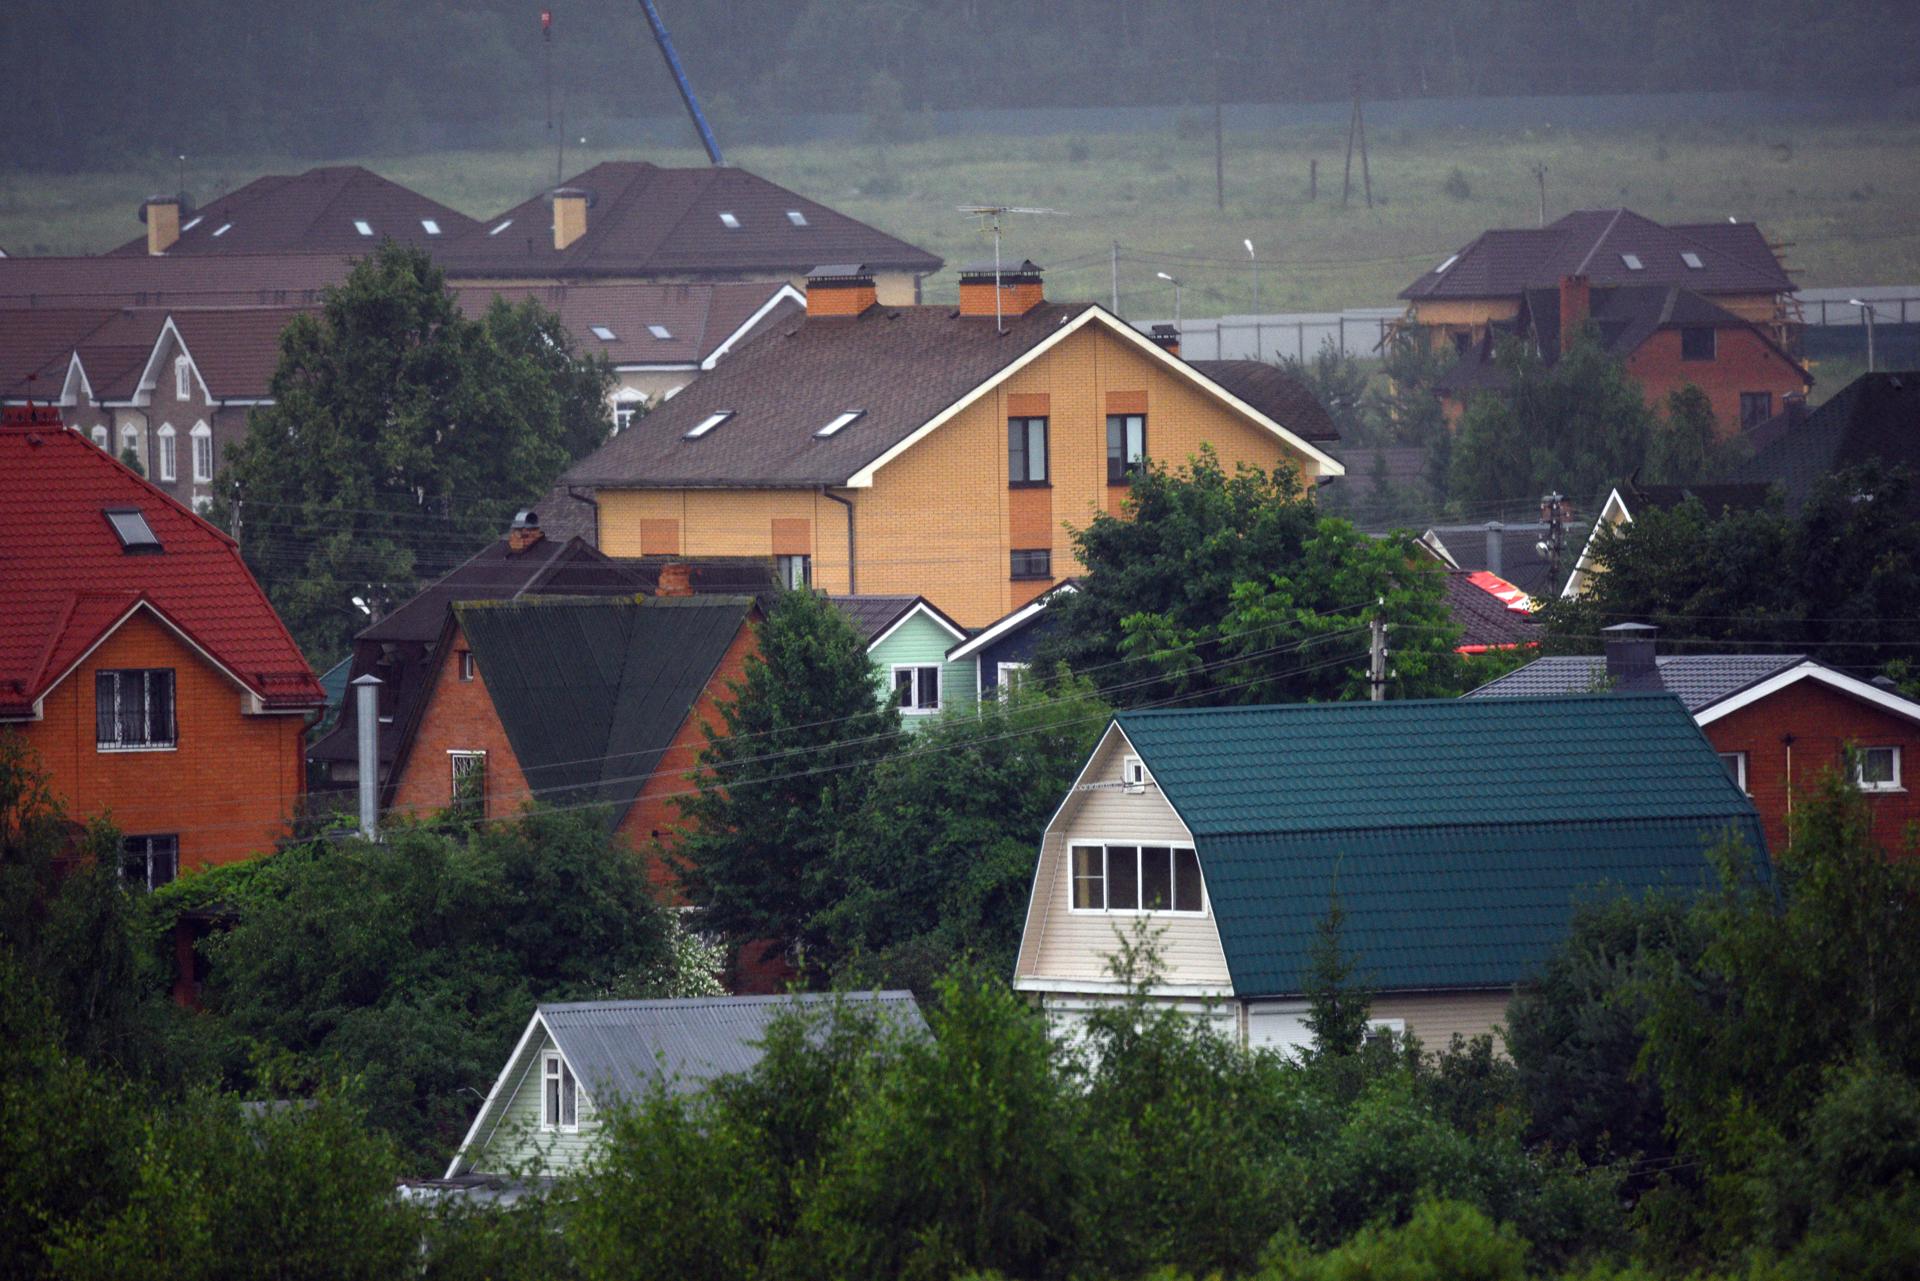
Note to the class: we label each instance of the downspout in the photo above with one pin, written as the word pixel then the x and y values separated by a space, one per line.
pixel 853 578
pixel 592 502
pixel 1788 740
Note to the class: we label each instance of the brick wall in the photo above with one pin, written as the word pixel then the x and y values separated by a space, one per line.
pixel 1819 719
pixel 458 717
pixel 228 787
pixel 1743 362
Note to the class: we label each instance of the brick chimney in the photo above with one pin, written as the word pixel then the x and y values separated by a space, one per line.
pixel 676 579
pixel 1629 648
pixel 1166 336
pixel 570 205
pixel 1576 304
pixel 840 289
pixel 162 216
pixel 525 531
pixel 1020 290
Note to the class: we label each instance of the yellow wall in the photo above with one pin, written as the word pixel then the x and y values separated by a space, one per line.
pixel 938 520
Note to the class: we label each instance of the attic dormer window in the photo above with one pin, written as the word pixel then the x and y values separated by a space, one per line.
pixel 839 422
pixel 730 222
pixel 131 527
pixel 1633 262
pixel 504 224
pixel 1692 259
pixel 222 230
pixel 429 226
pixel 362 226
pixel 797 218
pixel 660 331
pixel 603 333
pixel 708 423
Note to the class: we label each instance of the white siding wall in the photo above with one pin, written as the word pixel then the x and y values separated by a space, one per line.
pixel 518 1138
pixel 1435 1017
pixel 1063 944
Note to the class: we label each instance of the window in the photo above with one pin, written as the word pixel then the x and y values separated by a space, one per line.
pixel 660 331
pixel 1462 340
pixel 1126 446
pixel 429 226
pixel 623 414
pixel 794 572
pixel 469 794
pixel 840 420
pixel 362 226
pixel 222 229
pixel 1034 562
pixel 202 504
pixel 1133 774
pixel 1696 343
pixel 1136 878
pixel 202 452
pixel 167 452
pixel 466 664
pixel 100 436
pixel 601 332
pixel 191 223
pixel 730 222
pixel 917 688
pixel 559 1096
pixel 130 443
pixel 1008 677
pixel 504 224
pixel 1633 262
pixel 133 709
pixel 130 527
pixel 1755 407
pixel 797 218
pixel 182 378
pixel 1877 769
pixel 1026 451
pixel 1692 259
pixel 148 862
pixel 1736 763
pixel 1453 258
pixel 707 424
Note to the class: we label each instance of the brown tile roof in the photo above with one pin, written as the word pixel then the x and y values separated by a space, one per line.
pixel 236 349
pixel 312 212
pixel 1275 393
pixel 39 343
pixel 698 318
pixel 208 280
pixel 1592 242
pixel 115 355
pixel 646 220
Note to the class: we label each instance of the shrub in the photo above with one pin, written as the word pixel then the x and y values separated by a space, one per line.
pixel 1457 185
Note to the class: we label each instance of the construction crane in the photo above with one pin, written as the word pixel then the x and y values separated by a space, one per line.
pixel 661 38
pixel 989 216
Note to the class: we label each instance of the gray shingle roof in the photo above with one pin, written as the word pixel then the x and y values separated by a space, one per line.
pixel 1698 680
pixel 621 1049
pixel 871 615
pixel 1876 416
pixel 1274 392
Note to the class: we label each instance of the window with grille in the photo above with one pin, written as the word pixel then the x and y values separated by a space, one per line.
pixel 469 782
pixel 133 709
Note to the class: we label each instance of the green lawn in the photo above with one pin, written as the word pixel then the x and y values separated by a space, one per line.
pixel 1841 196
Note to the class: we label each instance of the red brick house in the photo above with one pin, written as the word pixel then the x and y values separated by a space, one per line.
pixel 1778 721
pixel 140 660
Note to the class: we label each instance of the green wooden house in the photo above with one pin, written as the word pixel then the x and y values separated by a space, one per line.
pixel 908 637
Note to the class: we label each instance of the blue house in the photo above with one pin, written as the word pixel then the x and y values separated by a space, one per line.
pixel 1000 652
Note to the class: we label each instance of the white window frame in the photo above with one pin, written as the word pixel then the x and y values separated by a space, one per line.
pixel 430 226
pixel 1007 675
pixel 1133 775
pixel 362 226
pixel 166 466
pixel 152 738
pixel 455 757
pixel 202 437
pixel 914 709
pixel 182 378
pixel 466 664
pixel 1739 772
pixel 784 567
pixel 130 440
pixel 101 436
pixel 557 1072
pixel 1893 784
pixel 1106 878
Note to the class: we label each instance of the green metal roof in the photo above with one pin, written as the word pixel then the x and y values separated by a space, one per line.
pixel 1460 833
pixel 591 692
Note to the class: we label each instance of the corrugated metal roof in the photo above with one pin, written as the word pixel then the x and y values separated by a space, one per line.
pixel 621 1049
pixel 1459 833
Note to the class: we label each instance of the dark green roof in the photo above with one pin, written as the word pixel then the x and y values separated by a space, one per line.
pixel 591 692
pixel 1461 833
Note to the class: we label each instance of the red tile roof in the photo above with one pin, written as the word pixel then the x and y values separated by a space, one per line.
pixel 312 212
pixel 67 582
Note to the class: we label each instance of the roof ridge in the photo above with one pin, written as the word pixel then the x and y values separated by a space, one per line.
pixel 1598 241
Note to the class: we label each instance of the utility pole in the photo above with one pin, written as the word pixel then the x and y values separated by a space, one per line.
pixel 1377 655
pixel 1553 510
pixel 1116 277
pixel 1219 144
pixel 1356 129
pixel 546 42
pixel 1540 176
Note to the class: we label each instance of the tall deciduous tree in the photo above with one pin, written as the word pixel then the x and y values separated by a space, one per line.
pixel 401 436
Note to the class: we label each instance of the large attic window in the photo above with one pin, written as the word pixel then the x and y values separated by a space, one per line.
pixel 797 218
pixel 839 422
pixel 131 527
pixel 504 224
pixel 1692 259
pixel 730 222
pixel 603 333
pixel 429 226
pixel 707 424
pixel 362 226
pixel 660 331
pixel 192 222
pixel 222 229
pixel 1633 262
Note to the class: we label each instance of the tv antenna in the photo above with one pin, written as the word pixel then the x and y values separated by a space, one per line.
pixel 989 216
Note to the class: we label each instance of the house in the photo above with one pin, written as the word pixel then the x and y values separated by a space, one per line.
pixel 1874 418
pixel 594 703
pixel 338 209
pixel 401 648
pixel 907 639
pixel 125 614
pixel 1777 720
pixel 1665 337
pixel 631 220
pixel 1459 834
pixel 576 1060
pixel 1729 263
pixel 1001 653
pixel 1521 554
pixel 907 450
pixel 1718 498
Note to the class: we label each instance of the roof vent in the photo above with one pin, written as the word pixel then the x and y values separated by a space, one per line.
pixel 130 526
pixel 1630 648
pixel 526 518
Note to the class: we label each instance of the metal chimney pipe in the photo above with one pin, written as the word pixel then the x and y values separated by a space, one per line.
pixel 366 692
pixel 1496 545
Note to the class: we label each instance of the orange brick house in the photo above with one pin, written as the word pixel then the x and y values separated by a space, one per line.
pixel 936 451
pixel 587 703
pixel 140 660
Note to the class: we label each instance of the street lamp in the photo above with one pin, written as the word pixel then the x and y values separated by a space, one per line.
pixel 1176 297
pixel 1256 275
pixel 1866 310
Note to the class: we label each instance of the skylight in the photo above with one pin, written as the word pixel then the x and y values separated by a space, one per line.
pixel 797 218
pixel 708 423
pixel 362 226
pixel 431 227
pixel 1448 263
pixel 603 333
pixel 192 222
pixel 660 331
pixel 132 529
pixel 223 229
pixel 1633 262
pixel 504 224
pixel 1692 259
pixel 839 422
pixel 730 222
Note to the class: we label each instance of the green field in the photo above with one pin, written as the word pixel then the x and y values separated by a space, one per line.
pixel 1841 196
